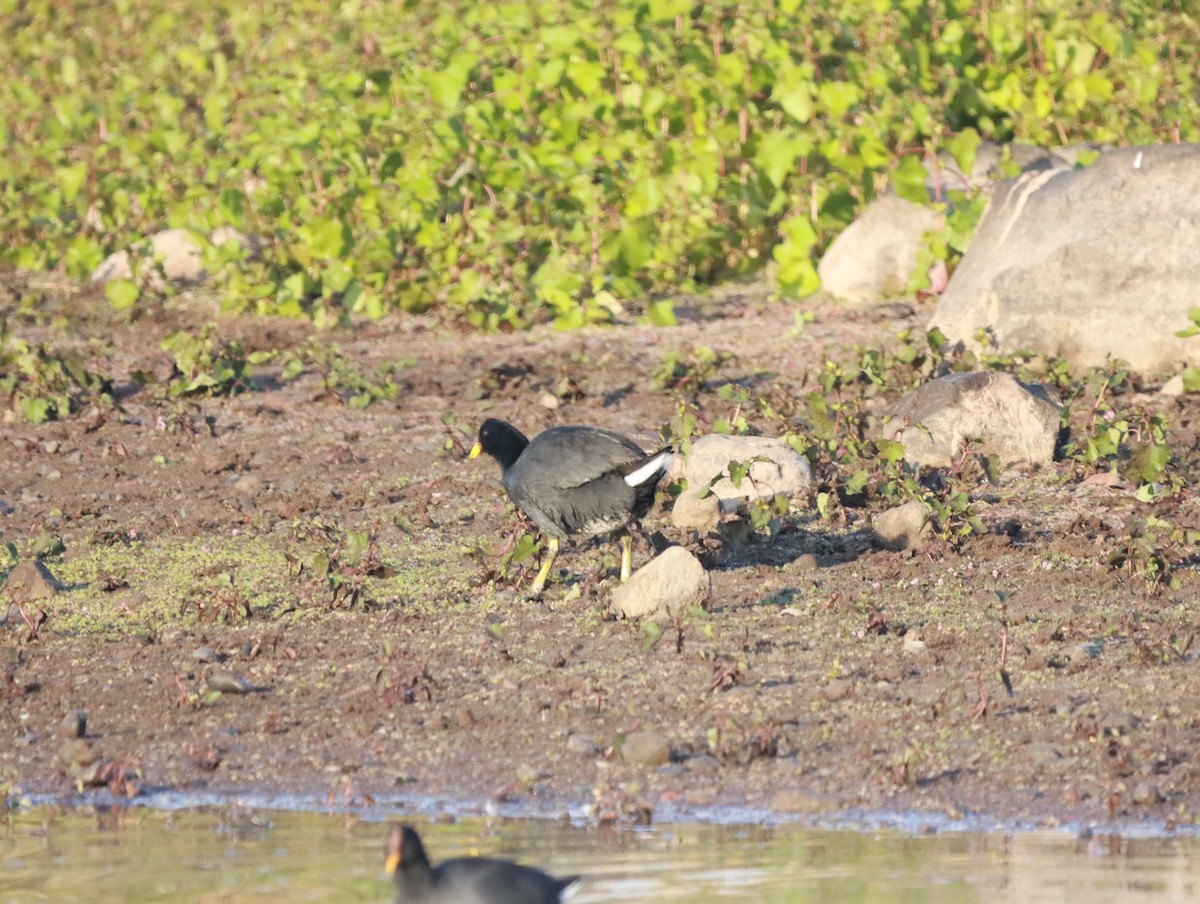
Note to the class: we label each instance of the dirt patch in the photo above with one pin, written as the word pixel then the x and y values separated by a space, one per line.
pixel 207 546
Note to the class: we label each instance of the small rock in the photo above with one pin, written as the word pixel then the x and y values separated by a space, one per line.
pixel 582 744
pixel 176 251
pixel 836 689
pixel 693 512
pixel 666 587
pixel 1120 723
pixel 206 654
pixel 76 753
pixel 995 413
pixel 74 724
pixel 646 748
pixel 1173 386
pixel 228 683
pixel 31 580
pixel 803 800
pixel 901 527
pixel 1146 793
pixel 466 718
pixel 775 467
pixel 248 485
pixel 705 762
pixel 913 643
pixel 548 401
pixel 527 775
pixel 806 561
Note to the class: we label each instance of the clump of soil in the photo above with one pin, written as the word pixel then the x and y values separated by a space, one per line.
pixel 281 592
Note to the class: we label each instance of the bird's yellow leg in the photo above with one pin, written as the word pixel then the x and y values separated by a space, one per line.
pixel 539 583
pixel 626 556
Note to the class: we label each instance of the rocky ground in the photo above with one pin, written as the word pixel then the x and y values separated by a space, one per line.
pixel 333 573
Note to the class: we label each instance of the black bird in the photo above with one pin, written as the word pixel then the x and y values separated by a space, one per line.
pixel 575 480
pixel 466 880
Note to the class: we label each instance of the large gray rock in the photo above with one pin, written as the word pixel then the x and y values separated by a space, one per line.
pixel 666 587
pixel 945 175
pixel 875 256
pixel 994 412
pixel 1087 264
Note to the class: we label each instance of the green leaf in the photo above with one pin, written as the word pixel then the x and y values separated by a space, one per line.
pixel 661 312
pixel 838 97
pixel 962 147
pixel 908 179
pixel 70 180
pixel 122 294
pixel 651 634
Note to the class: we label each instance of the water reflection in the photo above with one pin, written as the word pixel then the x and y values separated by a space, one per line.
pixel 233 854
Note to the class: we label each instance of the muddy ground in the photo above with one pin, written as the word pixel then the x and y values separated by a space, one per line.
pixel 829 677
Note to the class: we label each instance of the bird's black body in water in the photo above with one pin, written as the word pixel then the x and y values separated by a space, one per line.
pixel 466 880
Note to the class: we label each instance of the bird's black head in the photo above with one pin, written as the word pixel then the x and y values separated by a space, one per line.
pixel 404 850
pixel 501 440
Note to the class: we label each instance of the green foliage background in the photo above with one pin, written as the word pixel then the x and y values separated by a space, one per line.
pixel 517 161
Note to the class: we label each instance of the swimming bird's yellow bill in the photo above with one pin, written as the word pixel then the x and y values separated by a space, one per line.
pixel 475 450
pixel 393 862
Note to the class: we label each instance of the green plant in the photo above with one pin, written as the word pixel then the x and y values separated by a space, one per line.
pixel 513 162
pixel 43 384
pixel 684 372
pixel 342 379
pixel 206 364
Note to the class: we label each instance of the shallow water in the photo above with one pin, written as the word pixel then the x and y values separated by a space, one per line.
pixel 234 854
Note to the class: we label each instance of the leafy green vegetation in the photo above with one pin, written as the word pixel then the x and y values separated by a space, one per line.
pixel 44 384
pixel 512 162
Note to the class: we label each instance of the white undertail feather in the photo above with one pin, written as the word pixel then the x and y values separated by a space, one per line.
pixel 660 463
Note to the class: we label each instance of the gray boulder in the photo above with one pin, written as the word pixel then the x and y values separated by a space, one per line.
pixel 875 256
pixel 1087 264
pixel 945 175
pixel 666 587
pixel 994 412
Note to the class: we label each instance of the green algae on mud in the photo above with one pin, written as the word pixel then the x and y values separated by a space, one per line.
pixel 145 584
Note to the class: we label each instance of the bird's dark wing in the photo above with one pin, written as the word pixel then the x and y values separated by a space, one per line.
pixel 481 880
pixel 568 457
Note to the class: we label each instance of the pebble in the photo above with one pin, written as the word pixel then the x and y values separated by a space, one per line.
pixel 74 724
pixel 228 683
pixel 646 748
pixel 803 800
pixel 248 485
pixel 836 689
pixel 1146 793
pixel 31 580
pixel 582 744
